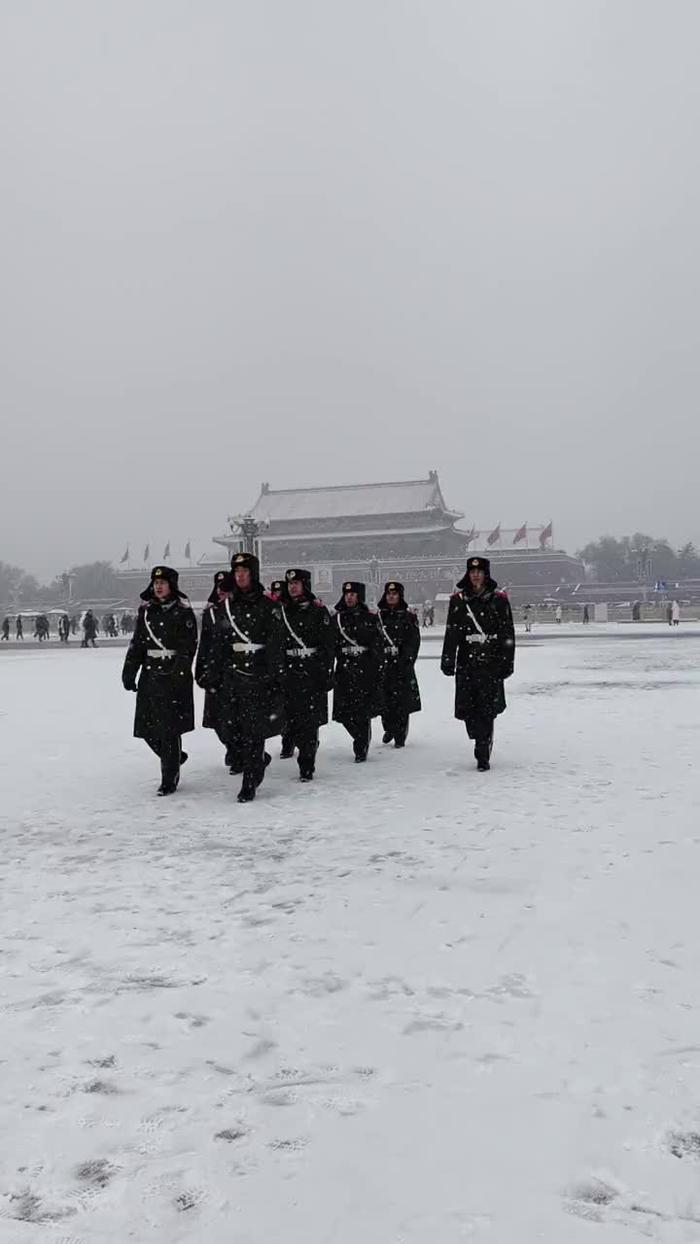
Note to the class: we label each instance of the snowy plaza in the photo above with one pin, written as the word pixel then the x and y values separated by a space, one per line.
pixel 406 1004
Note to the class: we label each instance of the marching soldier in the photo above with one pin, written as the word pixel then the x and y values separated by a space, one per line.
pixel 309 653
pixel 6 628
pixel 358 649
pixel 162 648
pixel 244 670
pixel 210 720
pixel 479 647
pixel 401 636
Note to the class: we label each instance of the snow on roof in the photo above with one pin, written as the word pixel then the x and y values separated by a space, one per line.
pixel 349 500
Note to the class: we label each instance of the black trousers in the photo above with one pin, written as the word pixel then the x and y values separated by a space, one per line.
pixel 168 748
pixel 360 730
pixel 480 729
pixel 246 753
pixel 305 739
pixel 395 723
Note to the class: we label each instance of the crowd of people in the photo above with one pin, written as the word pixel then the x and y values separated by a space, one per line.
pixel 267 662
pixel 67 625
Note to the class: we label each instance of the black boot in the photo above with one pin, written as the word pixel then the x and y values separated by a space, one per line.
pixel 247 792
pixel 482 752
pixel 387 736
pixel 169 766
pixel 307 761
pixel 287 747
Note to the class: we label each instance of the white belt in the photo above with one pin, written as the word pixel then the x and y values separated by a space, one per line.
pixel 300 652
pixel 478 639
pixel 391 652
pixel 159 653
pixel 247 647
pixel 353 649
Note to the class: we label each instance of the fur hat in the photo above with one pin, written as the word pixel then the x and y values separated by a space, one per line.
pixel 219 583
pixel 478 563
pixel 352 585
pixel 296 575
pixel 277 587
pixel 249 561
pixel 163 574
pixel 393 586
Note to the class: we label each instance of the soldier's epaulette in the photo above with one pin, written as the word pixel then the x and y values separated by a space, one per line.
pixel 318 603
pixel 500 592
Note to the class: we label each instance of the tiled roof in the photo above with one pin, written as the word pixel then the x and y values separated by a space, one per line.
pixel 349 501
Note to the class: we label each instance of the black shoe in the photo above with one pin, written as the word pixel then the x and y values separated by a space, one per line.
pixel 483 766
pixel 306 775
pixel 247 792
pixel 183 758
pixel 399 742
pixel 169 787
pixel 286 753
pixel 387 736
pixel 360 757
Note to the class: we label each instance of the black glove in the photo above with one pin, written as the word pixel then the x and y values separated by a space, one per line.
pixel 129 684
pixel 447 668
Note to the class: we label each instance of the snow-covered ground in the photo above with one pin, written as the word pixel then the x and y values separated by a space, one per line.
pixel 407 1004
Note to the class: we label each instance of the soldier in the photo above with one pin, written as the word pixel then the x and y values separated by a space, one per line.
pixel 210 720
pixel 19 627
pixel 358 648
pixel 401 636
pixel 162 648
pixel 309 653
pixel 6 628
pixel 276 589
pixel 64 628
pixel 479 647
pixel 244 670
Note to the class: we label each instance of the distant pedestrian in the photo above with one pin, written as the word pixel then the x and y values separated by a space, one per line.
pixel 675 613
pixel 64 628
pixel 527 618
pixel 89 630
pixel 19 627
pixel 669 613
pixel 586 615
pixel 6 628
pixel 558 615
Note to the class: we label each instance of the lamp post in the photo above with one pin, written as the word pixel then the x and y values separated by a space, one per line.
pixel 249 529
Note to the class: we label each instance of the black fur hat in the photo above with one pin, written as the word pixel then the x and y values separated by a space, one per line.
pixel 277 587
pixel 352 585
pixel 248 560
pixel 170 576
pixel 393 586
pixel 478 563
pixel 219 582
pixel 296 575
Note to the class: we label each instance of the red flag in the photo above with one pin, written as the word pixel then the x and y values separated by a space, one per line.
pixel 545 534
pixel 125 556
pixel 495 535
pixel 521 534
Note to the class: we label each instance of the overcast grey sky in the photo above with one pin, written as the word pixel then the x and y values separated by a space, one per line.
pixel 318 242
